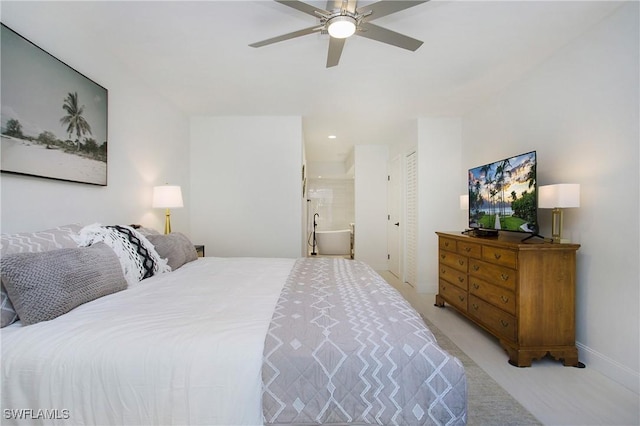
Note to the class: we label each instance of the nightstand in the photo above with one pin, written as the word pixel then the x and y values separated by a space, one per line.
pixel 199 250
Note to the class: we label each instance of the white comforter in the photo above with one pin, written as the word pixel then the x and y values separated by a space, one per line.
pixel 183 347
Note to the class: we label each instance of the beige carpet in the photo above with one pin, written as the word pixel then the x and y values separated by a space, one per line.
pixel 488 403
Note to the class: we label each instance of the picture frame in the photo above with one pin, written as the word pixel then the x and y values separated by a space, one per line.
pixel 53 118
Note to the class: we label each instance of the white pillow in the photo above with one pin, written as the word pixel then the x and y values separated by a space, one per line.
pixel 137 256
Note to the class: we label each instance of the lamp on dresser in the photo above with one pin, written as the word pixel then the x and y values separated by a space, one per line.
pixel 167 197
pixel 557 197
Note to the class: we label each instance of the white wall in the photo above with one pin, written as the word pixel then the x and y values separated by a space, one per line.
pixel 439 177
pixel 370 243
pixel 147 145
pixel 246 185
pixel 579 110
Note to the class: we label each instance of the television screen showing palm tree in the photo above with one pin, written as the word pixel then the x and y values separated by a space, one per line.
pixel 503 195
pixel 53 120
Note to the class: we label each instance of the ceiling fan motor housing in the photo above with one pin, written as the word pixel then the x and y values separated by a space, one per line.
pixel 341 26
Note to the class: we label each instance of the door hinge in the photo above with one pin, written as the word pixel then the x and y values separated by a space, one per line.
pixel 388 217
pixel 388 177
pixel 388 257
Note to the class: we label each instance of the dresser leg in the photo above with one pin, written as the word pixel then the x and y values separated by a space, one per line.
pixel 439 301
pixel 569 357
pixel 524 357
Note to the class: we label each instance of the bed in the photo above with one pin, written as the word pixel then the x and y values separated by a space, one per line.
pixel 223 341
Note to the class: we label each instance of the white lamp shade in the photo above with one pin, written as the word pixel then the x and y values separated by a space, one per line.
pixel 562 195
pixel 342 27
pixel 167 196
pixel 464 202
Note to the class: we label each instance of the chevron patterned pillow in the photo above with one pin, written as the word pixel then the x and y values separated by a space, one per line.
pixel 35 242
pixel 138 257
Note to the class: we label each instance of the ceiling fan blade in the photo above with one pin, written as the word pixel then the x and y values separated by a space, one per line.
pixel 333 4
pixel 303 7
pixel 337 4
pixel 384 8
pixel 287 36
pixel 335 50
pixel 374 32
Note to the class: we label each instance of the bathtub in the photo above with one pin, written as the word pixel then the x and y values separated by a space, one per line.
pixel 334 242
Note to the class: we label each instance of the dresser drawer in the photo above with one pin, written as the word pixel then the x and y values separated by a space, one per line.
pixel 454 295
pixel 452 275
pixel 470 249
pixel 454 260
pixel 494 274
pixel 447 243
pixel 500 256
pixel 498 321
pixel 498 296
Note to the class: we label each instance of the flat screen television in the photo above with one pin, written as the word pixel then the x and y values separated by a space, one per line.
pixel 503 195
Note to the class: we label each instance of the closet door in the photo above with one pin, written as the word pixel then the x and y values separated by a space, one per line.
pixel 411 228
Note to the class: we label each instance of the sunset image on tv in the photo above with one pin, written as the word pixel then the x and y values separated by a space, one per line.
pixel 502 195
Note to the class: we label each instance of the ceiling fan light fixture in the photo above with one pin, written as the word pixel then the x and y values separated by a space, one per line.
pixel 342 26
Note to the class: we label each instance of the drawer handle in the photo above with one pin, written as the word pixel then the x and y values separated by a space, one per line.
pixel 476 267
pixel 460 262
pixel 446 243
pixel 497 255
pixel 475 307
pixel 442 256
pixel 461 298
pixel 504 299
pixel 476 286
pixel 460 279
pixel 504 323
pixel 467 249
pixel 443 271
pixel 504 277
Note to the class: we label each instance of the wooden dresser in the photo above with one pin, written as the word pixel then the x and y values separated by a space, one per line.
pixel 522 293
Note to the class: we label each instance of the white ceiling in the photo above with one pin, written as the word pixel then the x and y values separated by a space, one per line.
pixel 196 54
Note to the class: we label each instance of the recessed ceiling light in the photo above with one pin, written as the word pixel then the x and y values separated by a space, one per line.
pixel 332 136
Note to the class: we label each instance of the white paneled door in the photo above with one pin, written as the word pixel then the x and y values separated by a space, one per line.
pixel 394 194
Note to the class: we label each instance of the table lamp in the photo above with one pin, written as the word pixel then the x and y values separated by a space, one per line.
pixel 167 197
pixel 558 197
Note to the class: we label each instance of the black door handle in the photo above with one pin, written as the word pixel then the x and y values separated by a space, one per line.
pixel 397 224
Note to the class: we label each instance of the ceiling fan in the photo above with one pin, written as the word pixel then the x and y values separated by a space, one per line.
pixel 342 19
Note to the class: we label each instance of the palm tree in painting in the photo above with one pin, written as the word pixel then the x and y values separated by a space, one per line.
pixel 501 172
pixel 74 120
pixel 487 178
pixel 531 175
pixel 478 200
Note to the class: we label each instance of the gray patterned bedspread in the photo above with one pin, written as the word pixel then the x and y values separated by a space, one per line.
pixel 344 347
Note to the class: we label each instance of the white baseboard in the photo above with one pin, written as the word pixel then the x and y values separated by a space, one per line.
pixel 614 370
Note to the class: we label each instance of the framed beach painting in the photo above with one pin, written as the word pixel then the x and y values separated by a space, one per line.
pixel 53 119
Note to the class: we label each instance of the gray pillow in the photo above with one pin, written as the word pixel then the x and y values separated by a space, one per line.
pixel 146 231
pixel 174 247
pixel 32 242
pixel 43 286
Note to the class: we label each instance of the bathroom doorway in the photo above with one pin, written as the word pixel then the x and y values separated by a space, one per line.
pixel 332 209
